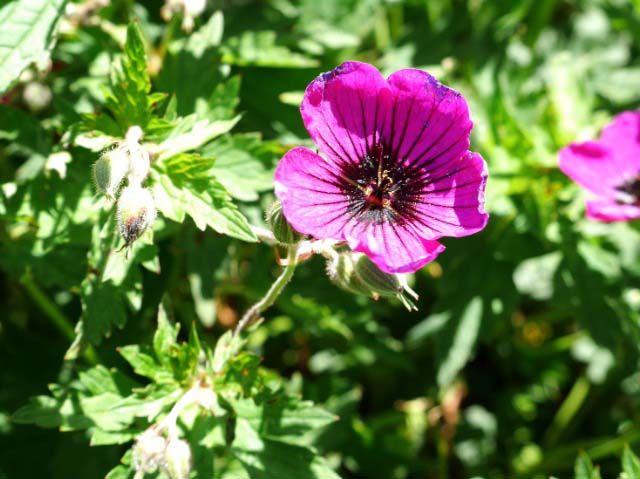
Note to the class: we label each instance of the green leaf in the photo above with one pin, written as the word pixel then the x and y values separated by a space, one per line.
pixel 242 373
pixel 227 347
pixel 458 341
pixel 630 464
pixel 534 276
pixel 100 437
pixel 584 469
pixel 128 98
pixel 27 30
pixel 142 361
pixel 261 49
pixel 100 380
pixel 269 459
pixel 26 136
pixel 282 417
pixel 121 472
pixel 102 308
pixel 190 133
pixel 113 281
pixel 112 412
pixel 205 255
pixel 166 335
pixel 244 164
pixel 191 58
pixel 203 198
pixel 46 411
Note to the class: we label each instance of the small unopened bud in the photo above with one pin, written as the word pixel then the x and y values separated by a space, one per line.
pixel 148 451
pixel 139 161
pixel 139 164
pixel 341 271
pixel 356 273
pixel 110 170
pixel 379 282
pixel 280 227
pixel 37 96
pixel 177 459
pixel 136 212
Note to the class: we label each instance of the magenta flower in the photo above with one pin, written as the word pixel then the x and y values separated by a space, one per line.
pixel 609 169
pixel 395 173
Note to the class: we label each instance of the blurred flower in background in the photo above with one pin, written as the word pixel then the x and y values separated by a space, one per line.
pixel 609 168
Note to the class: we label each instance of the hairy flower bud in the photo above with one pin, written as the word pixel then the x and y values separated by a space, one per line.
pixel 148 451
pixel 110 170
pixel 136 212
pixel 37 96
pixel 280 227
pixel 139 161
pixel 379 282
pixel 356 273
pixel 341 272
pixel 177 458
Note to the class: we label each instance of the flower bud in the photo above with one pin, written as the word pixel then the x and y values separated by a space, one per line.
pixel 177 458
pixel 341 272
pixel 356 273
pixel 139 164
pixel 136 212
pixel 139 161
pixel 109 171
pixel 148 451
pixel 37 96
pixel 379 282
pixel 280 227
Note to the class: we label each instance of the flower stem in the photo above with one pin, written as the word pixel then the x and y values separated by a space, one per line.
pixel 254 312
pixel 568 410
pixel 53 312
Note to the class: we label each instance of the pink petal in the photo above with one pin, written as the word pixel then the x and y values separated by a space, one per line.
pixel 311 199
pixel 394 249
pixel 622 137
pixel 430 122
pixel 608 210
pixel 453 202
pixel 592 166
pixel 345 109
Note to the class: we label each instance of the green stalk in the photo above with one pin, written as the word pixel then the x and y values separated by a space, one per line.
pixel 53 312
pixel 562 457
pixel 48 307
pixel 254 312
pixel 569 408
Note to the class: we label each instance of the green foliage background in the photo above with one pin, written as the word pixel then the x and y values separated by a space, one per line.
pixel 523 358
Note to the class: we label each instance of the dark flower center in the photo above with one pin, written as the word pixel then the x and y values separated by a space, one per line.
pixel 380 189
pixel 631 190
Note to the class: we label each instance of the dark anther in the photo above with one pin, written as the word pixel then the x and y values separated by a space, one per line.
pixel 380 189
pixel 631 190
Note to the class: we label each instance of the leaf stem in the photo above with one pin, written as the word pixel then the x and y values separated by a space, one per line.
pixel 253 313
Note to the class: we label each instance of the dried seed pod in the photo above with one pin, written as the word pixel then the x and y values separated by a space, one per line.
pixel 110 170
pixel 136 212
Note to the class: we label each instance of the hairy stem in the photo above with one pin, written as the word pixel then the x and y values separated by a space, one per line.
pixel 254 312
